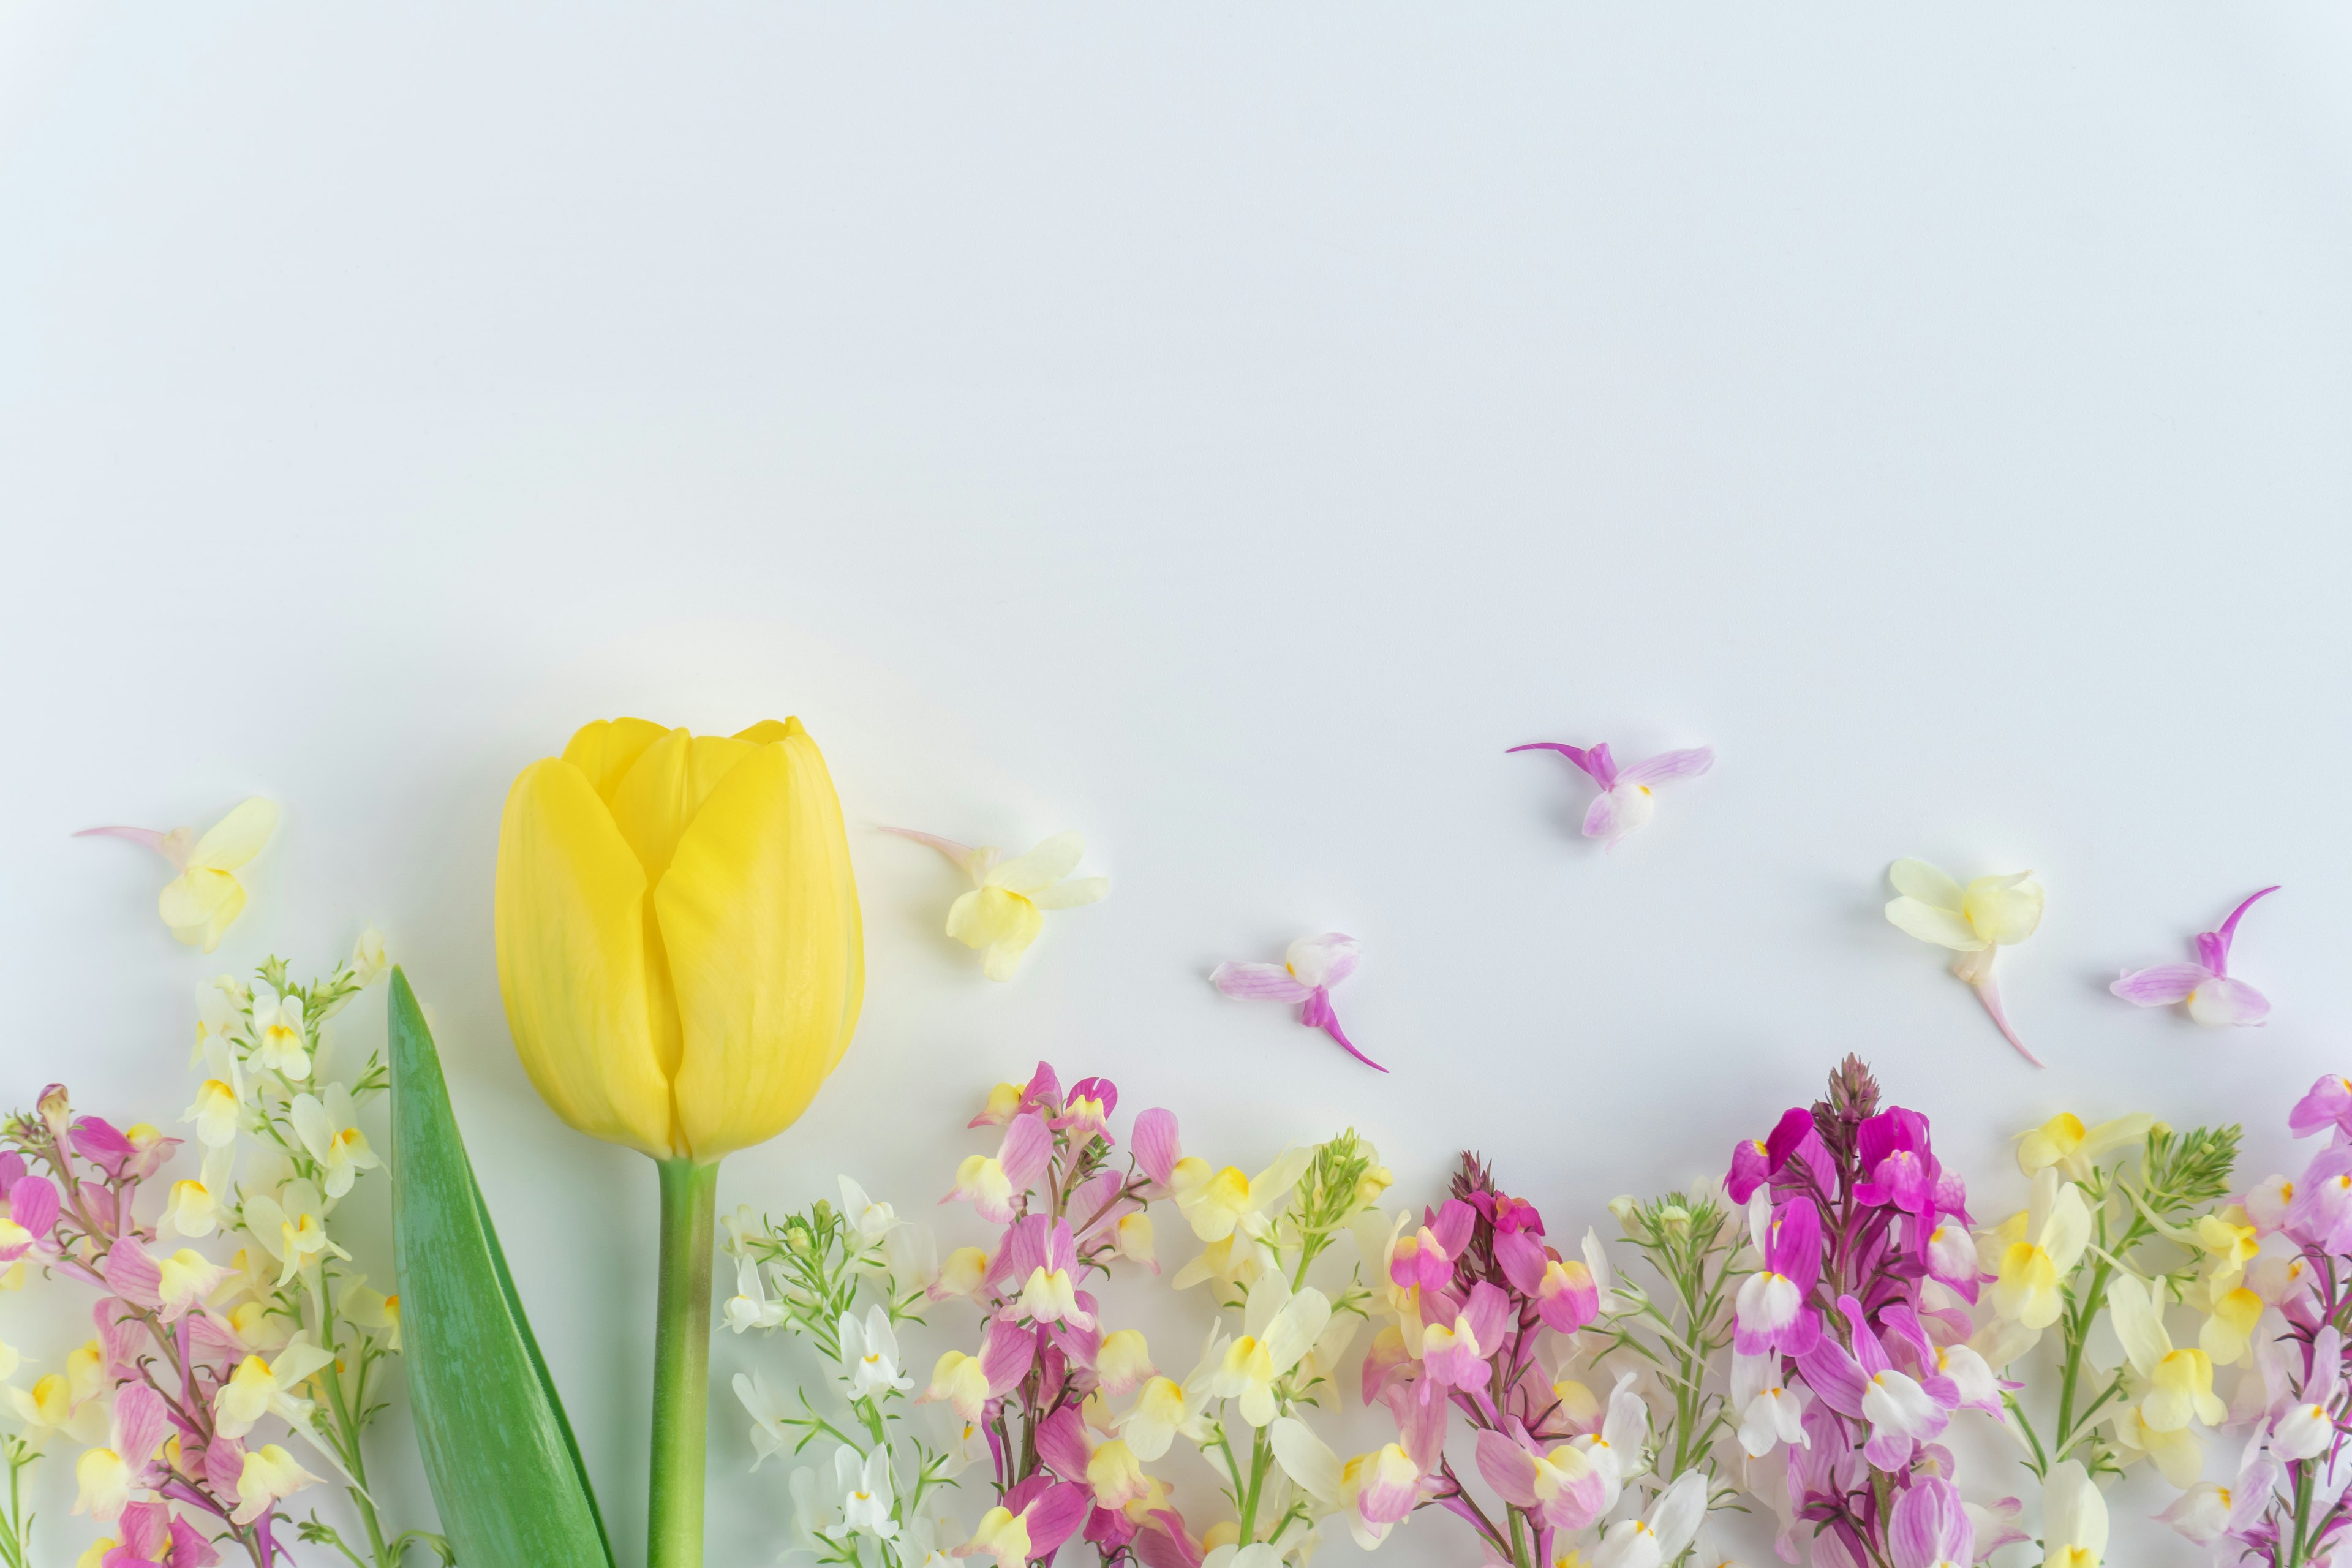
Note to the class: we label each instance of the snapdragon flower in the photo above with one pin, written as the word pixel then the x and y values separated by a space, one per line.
pixel 2213 995
pixel 1626 801
pixel 1004 910
pixel 1313 966
pixel 203 900
pixel 1976 921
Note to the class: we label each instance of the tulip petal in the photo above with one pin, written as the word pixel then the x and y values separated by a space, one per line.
pixel 1043 867
pixel 236 837
pixel 1931 885
pixel 661 795
pixel 1929 922
pixel 2161 985
pixel 607 749
pixel 759 912
pixel 572 936
pixel 1072 894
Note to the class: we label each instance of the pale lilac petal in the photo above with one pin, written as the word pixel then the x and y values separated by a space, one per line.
pixel 1508 1468
pixel 139 1420
pixel 2223 1000
pixel 1062 1444
pixel 1027 1148
pixel 1666 765
pixel 1577 755
pixel 1155 1144
pixel 1055 1517
pixel 1604 766
pixel 1265 982
pixel 1829 1370
pixel 1608 818
pixel 2162 985
pixel 1324 960
pixel 1005 1353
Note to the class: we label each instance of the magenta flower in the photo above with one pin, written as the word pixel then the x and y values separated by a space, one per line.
pixel 1769 1313
pixel 1625 801
pixel 1863 1385
pixel 1454 1353
pixel 1565 1294
pixel 1425 1259
pixel 2213 996
pixel 1313 966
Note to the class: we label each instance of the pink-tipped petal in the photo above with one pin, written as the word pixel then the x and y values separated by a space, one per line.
pixel 1989 993
pixel 1259 982
pixel 1577 755
pixel 1667 765
pixel 2161 985
pixel 172 847
pixel 1317 1011
pixel 2223 1000
pixel 2230 927
pixel 961 854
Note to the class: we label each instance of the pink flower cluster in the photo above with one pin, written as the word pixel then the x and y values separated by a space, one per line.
pixel 1473 1289
pixel 1849 1341
pixel 1066 1212
pixel 164 1353
pixel 2289 1503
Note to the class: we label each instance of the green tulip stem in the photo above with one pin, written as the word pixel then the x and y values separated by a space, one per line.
pixel 690 1200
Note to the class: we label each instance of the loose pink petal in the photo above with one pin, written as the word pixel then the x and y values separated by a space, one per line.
pixel 1259 982
pixel 1667 765
pixel 2162 985
pixel 2223 1000
pixel 1989 993
pixel 2230 927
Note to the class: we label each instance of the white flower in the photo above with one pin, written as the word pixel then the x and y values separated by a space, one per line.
pixel 1671 1523
pixel 868 1220
pixel 870 1356
pixel 865 1505
pixel 2073 1519
pixel 770 1436
pixel 749 1307
pixel 1005 909
pixel 368 961
pixel 329 1131
pixel 279 1043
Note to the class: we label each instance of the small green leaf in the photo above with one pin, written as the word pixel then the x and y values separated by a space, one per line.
pixel 505 1469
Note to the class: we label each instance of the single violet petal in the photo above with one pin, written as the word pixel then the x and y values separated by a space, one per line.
pixel 2161 985
pixel 1260 981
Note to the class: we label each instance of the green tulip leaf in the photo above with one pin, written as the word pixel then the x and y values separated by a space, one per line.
pixel 504 1467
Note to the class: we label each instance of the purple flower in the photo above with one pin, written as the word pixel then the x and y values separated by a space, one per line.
pixel 1625 801
pixel 2213 996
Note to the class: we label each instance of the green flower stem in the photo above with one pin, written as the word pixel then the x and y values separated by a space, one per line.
pixel 689 1201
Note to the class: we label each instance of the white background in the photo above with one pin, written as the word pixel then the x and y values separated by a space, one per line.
pixel 1224 432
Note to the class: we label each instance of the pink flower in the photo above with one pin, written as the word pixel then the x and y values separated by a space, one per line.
pixel 1931 1527
pixel 1087 1110
pixel 1426 1258
pixel 32 1213
pixel 1565 1293
pixel 1562 1488
pixel 2213 997
pixel 990 1184
pixel 1769 1313
pixel 1625 801
pixel 2329 1104
pixel 1455 1354
pixel 1035 1518
pixel 1157 1147
pixel 1862 1385
pixel 1041 1255
pixel 1313 966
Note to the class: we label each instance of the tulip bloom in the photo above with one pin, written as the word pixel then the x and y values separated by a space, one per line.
pixel 681 954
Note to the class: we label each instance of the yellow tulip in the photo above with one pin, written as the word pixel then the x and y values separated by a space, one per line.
pixel 678 934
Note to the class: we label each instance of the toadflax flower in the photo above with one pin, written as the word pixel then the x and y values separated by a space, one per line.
pixel 1313 966
pixel 1626 801
pixel 2207 986
pixel 203 900
pixel 1976 921
pixel 1005 909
